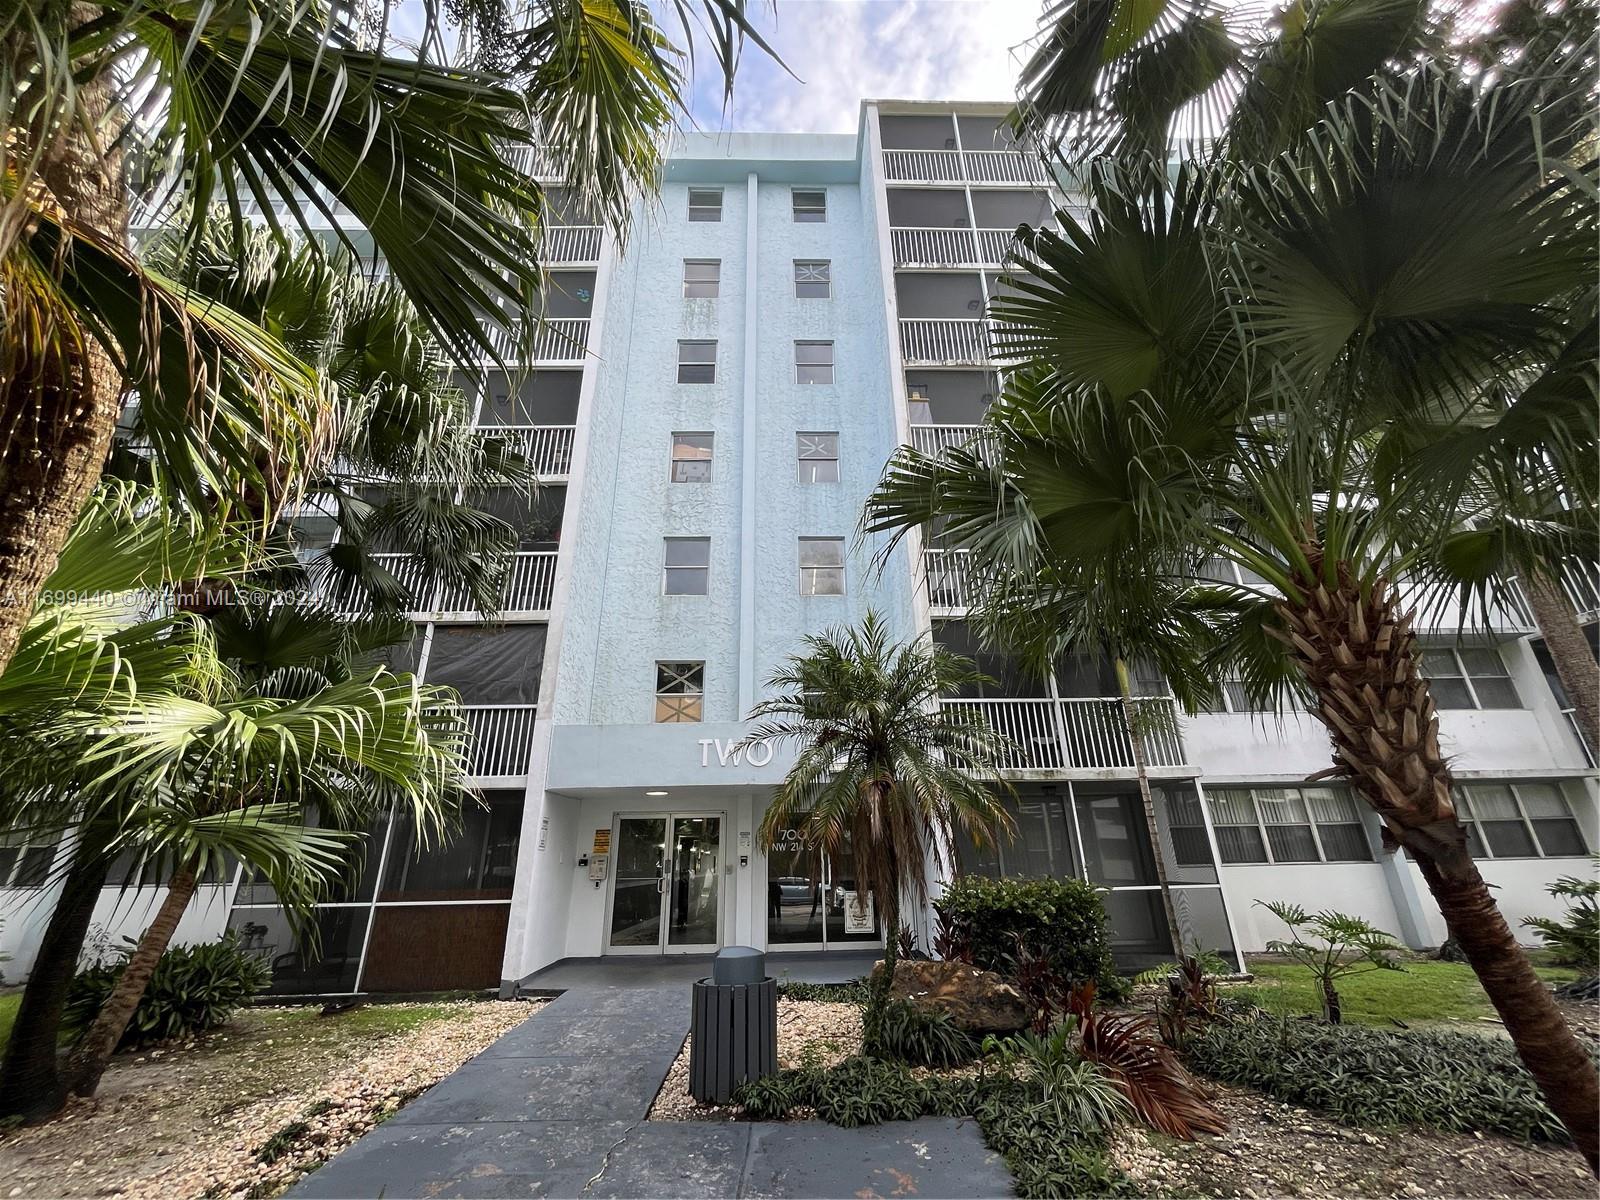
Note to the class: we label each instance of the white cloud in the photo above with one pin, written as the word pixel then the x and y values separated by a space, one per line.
pixel 846 50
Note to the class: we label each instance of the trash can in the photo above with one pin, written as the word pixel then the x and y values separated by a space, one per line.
pixel 733 1025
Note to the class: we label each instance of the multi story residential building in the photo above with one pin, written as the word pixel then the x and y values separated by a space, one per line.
pixel 708 410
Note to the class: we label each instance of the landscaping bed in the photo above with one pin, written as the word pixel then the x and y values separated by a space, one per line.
pixel 244 1111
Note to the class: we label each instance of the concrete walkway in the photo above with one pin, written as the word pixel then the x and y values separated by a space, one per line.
pixel 660 970
pixel 556 1108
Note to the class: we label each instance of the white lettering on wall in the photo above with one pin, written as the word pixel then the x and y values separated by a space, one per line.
pixel 732 754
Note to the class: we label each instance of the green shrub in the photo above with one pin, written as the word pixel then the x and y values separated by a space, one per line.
pixel 922 1039
pixel 869 1091
pixel 1575 938
pixel 1062 921
pixel 1366 1076
pixel 852 992
pixel 193 989
pixel 774 1097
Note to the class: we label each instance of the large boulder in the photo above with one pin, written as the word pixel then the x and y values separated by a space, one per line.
pixel 978 1002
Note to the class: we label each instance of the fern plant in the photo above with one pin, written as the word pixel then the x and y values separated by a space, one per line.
pixel 1348 946
pixel 1575 938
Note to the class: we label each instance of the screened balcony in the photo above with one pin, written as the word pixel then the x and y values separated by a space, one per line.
pixel 944 341
pixel 570 244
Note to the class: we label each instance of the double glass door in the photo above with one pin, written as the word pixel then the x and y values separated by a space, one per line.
pixel 666 889
pixel 813 900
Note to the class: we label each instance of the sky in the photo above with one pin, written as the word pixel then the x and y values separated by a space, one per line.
pixel 845 50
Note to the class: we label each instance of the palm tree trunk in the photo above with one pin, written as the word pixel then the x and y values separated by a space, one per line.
pixel 61 393
pixel 89 1057
pixel 30 1081
pixel 1569 650
pixel 1131 721
pixel 1359 655
pixel 882 985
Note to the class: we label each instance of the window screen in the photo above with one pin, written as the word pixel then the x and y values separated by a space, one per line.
pixel 702 277
pixel 697 362
pixel 822 566
pixel 691 457
pixel 818 457
pixel 813 362
pixel 705 204
pixel 813 278
pixel 810 205
pixel 488 665
pixel 687 569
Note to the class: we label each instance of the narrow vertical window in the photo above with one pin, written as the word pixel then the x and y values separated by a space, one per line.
pixel 691 457
pixel 818 457
pixel 702 278
pixel 697 362
pixel 821 566
pixel 813 362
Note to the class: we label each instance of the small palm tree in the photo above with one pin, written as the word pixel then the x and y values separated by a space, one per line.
pixel 883 772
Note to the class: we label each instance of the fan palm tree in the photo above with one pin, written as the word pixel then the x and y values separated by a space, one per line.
pixel 304 112
pixel 883 773
pixel 1230 360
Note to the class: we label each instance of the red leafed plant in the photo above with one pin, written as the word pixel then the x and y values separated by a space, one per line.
pixel 1127 1048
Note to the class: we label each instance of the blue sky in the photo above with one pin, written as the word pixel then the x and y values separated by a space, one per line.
pixel 845 50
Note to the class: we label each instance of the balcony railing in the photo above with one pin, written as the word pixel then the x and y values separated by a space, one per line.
pixel 994 245
pixel 947 246
pixel 555 340
pixel 1571 714
pixel 950 584
pixel 925 341
pixel 502 738
pixel 1583 589
pixel 1079 733
pixel 936 439
pixel 956 166
pixel 547 448
pixel 530 586
pixel 570 244
pixel 1510 616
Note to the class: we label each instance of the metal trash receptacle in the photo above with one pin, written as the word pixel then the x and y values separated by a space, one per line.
pixel 733 1025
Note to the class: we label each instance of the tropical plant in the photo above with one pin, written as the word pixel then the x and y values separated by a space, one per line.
pixel 193 989
pixel 1209 377
pixel 884 772
pixel 1575 937
pixel 307 114
pixel 1381 1077
pixel 1345 945
pixel 922 1038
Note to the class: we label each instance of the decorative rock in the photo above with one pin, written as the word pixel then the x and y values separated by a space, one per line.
pixel 976 1001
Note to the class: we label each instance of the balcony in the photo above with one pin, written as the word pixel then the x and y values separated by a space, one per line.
pixel 1510 617
pixel 1078 733
pixel 1007 167
pixel 570 244
pixel 946 246
pixel 944 341
pixel 951 590
pixel 1583 589
pixel 554 341
pixel 936 439
pixel 530 585
pixel 547 448
pixel 502 739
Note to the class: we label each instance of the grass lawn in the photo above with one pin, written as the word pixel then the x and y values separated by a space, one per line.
pixel 1425 991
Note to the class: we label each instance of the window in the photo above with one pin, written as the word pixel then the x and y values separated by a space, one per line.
pixel 810 205
pixel 680 692
pixel 813 278
pixel 1518 820
pixel 697 362
pixel 822 566
pixel 691 457
pixel 702 277
pixel 1468 677
pixel 819 457
pixel 687 566
pixel 705 204
pixel 813 362
pixel 1273 825
pixel 25 860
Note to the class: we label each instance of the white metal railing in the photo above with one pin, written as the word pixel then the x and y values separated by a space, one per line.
pixel 561 339
pixel 1445 614
pixel 570 244
pixel 1088 733
pixel 928 166
pixel 351 598
pixel 994 245
pixel 530 584
pixel 1004 166
pixel 950 584
pixel 502 738
pixel 1583 589
pixel 936 439
pixel 547 448
pixel 944 340
pixel 929 246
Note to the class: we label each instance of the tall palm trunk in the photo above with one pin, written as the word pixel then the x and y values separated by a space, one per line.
pixel 1132 722
pixel 60 392
pixel 1359 654
pixel 89 1057
pixel 30 1081
pixel 1570 651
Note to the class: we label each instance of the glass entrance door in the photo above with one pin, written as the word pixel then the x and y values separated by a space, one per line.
pixel 813 901
pixel 666 890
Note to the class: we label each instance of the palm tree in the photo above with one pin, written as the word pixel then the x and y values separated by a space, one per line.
pixel 1254 343
pixel 300 111
pixel 303 723
pixel 883 773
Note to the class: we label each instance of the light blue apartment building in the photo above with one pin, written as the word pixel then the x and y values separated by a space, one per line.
pixel 709 407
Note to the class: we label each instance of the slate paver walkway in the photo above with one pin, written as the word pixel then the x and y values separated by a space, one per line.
pixel 556 1108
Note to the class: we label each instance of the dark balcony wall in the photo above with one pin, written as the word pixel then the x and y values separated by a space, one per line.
pixel 569 294
pixel 953 397
pixel 985 133
pixel 942 294
pixel 933 132
pixel 477 861
pixel 548 397
pixel 436 948
pixel 1007 210
pixel 932 208
pixel 537 519
pixel 488 664
pixel 1010 677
